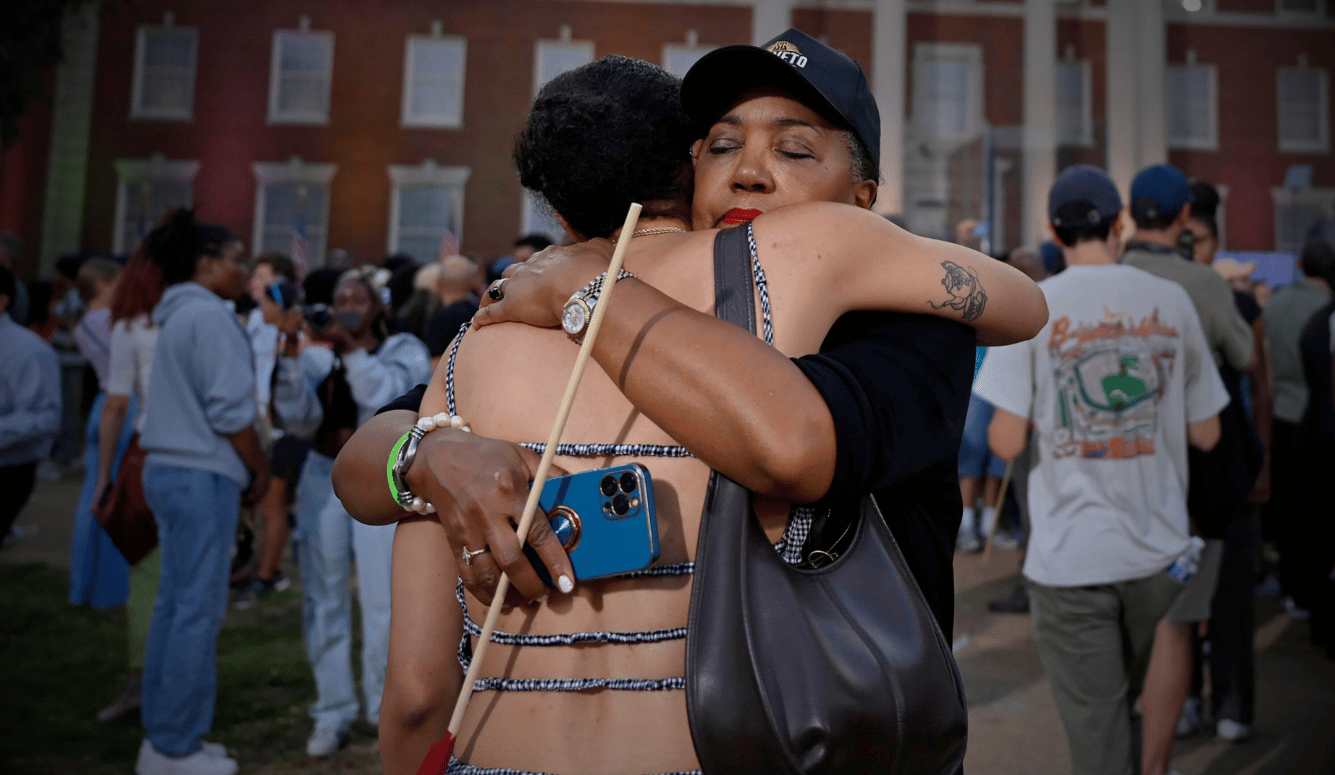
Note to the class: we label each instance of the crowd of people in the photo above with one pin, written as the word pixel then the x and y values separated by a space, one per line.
pixel 1136 402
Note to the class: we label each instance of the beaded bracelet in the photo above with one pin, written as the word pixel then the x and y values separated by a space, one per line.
pixel 405 451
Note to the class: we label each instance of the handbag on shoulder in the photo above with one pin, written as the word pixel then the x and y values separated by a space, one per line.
pixel 792 669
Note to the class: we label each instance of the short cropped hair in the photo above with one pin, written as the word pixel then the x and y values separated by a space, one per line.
pixel 92 272
pixel 279 263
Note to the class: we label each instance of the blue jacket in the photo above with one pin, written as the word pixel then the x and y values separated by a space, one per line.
pixel 203 385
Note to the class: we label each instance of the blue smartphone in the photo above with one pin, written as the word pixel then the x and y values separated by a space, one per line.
pixel 604 518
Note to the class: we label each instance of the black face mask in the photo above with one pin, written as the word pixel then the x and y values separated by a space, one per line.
pixel 349 319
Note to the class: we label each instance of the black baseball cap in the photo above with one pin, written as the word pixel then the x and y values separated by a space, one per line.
pixel 816 75
pixel 1082 197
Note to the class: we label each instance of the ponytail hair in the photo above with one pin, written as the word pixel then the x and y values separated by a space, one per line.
pixel 175 245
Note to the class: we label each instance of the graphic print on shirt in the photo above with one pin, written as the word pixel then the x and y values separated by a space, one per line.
pixel 1110 377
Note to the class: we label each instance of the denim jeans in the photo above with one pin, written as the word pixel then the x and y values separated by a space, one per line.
pixel 99 575
pixel 329 540
pixel 197 513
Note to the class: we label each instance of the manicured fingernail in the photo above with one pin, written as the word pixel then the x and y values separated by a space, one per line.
pixel 565 584
pixel 540 600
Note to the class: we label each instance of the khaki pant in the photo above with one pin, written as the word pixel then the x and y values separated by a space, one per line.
pixel 1094 643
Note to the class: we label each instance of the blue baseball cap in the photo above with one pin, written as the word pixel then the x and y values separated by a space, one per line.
pixel 1158 191
pixel 818 76
pixel 1082 197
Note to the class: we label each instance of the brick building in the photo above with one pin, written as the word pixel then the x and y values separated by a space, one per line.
pixel 375 125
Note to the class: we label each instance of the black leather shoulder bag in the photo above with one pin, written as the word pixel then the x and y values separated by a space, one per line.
pixel 840 669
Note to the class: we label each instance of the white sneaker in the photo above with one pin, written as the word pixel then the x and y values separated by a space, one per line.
pixel 324 741
pixel 1189 723
pixel 1232 731
pixel 216 750
pixel 200 762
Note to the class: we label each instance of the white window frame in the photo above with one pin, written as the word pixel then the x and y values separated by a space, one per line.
pixel 1086 138
pixel 432 122
pixel 426 174
pixel 972 55
pixel 566 43
pixel 691 48
pixel 130 172
pixel 1211 141
pixel 137 109
pixel 1321 198
pixel 276 79
pixel 1322 143
pixel 296 171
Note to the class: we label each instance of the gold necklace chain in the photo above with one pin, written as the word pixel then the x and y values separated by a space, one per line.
pixel 647 232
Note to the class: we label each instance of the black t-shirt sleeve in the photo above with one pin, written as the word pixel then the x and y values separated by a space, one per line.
pixel 898 388
pixel 1247 306
pixel 410 401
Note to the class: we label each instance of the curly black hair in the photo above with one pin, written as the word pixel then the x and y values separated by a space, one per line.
pixel 602 136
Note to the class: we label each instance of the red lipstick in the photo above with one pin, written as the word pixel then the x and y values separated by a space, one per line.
pixel 737 216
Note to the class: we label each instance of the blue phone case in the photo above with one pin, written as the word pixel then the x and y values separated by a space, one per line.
pixel 605 518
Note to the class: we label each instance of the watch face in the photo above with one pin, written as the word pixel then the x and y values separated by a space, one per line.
pixel 574 317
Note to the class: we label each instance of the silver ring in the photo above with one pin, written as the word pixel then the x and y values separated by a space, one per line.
pixel 497 290
pixel 468 556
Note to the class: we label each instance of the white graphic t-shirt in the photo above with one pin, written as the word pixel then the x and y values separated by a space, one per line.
pixel 1110 384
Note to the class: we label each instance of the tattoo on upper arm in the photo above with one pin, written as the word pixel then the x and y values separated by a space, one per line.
pixel 965 291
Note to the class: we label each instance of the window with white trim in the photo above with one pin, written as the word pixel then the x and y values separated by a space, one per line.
pixel 1193 106
pixel 433 81
pixel 300 77
pixel 948 89
pixel 553 57
pixel 1296 212
pixel 164 72
pixel 146 190
pixel 1074 125
pixel 427 205
pixel 678 57
pixel 291 204
pixel 1304 109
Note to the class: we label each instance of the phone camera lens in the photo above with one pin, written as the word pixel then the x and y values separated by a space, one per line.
pixel 629 482
pixel 608 485
pixel 620 505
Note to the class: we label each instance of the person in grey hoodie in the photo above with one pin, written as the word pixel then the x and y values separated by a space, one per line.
pixel 203 458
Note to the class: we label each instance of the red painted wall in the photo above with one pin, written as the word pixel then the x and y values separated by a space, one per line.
pixel 1001 39
pixel 23 167
pixel 1248 159
pixel 229 132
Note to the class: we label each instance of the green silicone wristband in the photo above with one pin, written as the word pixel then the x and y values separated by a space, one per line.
pixel 389 467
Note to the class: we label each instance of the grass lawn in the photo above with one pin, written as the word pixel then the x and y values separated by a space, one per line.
pixel 60 664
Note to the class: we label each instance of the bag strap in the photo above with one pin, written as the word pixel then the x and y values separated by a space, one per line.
pixel 734 289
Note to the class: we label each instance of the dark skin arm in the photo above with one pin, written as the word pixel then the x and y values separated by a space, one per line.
pixel 467 478
pixel 760 421
pixel 247 445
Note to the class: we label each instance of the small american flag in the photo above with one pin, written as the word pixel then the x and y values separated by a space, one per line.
pixel 298 249
pixel 449 244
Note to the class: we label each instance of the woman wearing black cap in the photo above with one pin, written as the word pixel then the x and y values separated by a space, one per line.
pixel 503 378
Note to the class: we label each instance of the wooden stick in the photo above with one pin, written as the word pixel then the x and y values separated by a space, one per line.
pixel 540 478
pixel 996 511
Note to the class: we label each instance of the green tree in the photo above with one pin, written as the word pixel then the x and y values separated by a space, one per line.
pixel 30 33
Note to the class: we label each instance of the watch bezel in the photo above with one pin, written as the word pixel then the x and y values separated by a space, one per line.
pixel 588 315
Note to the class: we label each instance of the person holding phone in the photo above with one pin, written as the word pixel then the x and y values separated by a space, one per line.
pixel 818 165
pixel 322 394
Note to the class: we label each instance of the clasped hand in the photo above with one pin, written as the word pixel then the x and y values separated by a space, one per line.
pixel 535 291
pixel 479 487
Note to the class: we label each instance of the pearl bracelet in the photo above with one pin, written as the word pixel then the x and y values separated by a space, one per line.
pixel 405 451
